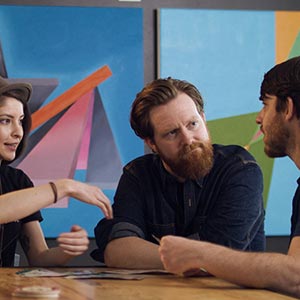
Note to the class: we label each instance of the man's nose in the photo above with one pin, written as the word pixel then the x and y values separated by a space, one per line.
pixel 258 118
pixel 186 137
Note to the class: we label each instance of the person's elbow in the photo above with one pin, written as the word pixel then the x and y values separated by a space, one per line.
pixel 122 253
pixel 115 254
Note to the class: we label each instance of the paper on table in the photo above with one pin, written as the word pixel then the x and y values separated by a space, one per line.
pixel 41 273
pixel 81 274
pixel 107 276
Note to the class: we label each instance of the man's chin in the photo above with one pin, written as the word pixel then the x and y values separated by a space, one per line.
pixel 272 154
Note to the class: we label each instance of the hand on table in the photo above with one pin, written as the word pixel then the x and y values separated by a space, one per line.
pixel 181 256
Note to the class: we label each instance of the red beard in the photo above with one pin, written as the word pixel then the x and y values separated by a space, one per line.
pixel 192 163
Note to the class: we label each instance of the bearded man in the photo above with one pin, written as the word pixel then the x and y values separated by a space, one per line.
pixel 187 187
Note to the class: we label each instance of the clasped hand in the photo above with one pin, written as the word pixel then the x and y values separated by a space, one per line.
pixel 75 242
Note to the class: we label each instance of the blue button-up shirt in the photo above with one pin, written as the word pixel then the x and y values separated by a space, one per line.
pixel 225 207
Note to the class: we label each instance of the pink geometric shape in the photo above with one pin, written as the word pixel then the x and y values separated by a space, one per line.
pixel 55 156
pixel 85 143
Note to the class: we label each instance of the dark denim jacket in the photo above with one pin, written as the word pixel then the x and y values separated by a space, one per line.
pixel 295 219
pixel 225 207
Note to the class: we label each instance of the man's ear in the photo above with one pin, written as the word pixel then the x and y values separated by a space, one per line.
pixel 290 109
pixel 150 143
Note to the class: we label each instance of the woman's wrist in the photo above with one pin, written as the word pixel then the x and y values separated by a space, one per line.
pixel 54 190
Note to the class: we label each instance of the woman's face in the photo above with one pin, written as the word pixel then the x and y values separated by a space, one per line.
pixel 11 130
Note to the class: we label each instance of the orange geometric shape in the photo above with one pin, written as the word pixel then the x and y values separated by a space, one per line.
pixel 287 25
pixel 69 97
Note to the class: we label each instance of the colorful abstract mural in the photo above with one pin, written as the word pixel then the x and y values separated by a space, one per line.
pixel 225 53
pixel 85 65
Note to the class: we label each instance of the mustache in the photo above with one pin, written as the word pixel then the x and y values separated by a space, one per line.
pixel 188 148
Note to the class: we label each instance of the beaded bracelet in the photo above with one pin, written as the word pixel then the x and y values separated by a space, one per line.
pixel 54 189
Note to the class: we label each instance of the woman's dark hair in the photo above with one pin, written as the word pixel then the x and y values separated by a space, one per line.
pixel 26 122
pixel 156 93
pixel 283 81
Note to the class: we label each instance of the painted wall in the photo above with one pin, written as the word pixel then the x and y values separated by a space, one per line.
pixel 64 45
pixel 85 65
pixel 225 53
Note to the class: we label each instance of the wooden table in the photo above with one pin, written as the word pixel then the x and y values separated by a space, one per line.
pixel 153 287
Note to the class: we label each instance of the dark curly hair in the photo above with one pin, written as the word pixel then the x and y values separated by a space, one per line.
pixel 156 93
pixel 283 81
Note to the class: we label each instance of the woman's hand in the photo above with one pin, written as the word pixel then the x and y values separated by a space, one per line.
pixel 86 193
pixel 75 242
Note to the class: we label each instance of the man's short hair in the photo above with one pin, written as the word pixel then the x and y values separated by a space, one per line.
pixel 156 93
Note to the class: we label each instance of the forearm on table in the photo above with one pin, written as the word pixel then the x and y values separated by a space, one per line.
pixel 273 271
pixel 50 257
pixel 132 253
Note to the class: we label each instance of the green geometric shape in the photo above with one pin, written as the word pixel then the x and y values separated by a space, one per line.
pixel 239 130
pixel 295 51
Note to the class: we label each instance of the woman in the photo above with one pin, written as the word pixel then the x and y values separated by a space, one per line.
pixel 20 201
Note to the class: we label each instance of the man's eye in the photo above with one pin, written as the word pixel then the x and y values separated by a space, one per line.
pixel 194 124
pixel 171 134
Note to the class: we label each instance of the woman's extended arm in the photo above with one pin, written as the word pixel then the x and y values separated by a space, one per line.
pixel 19 204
